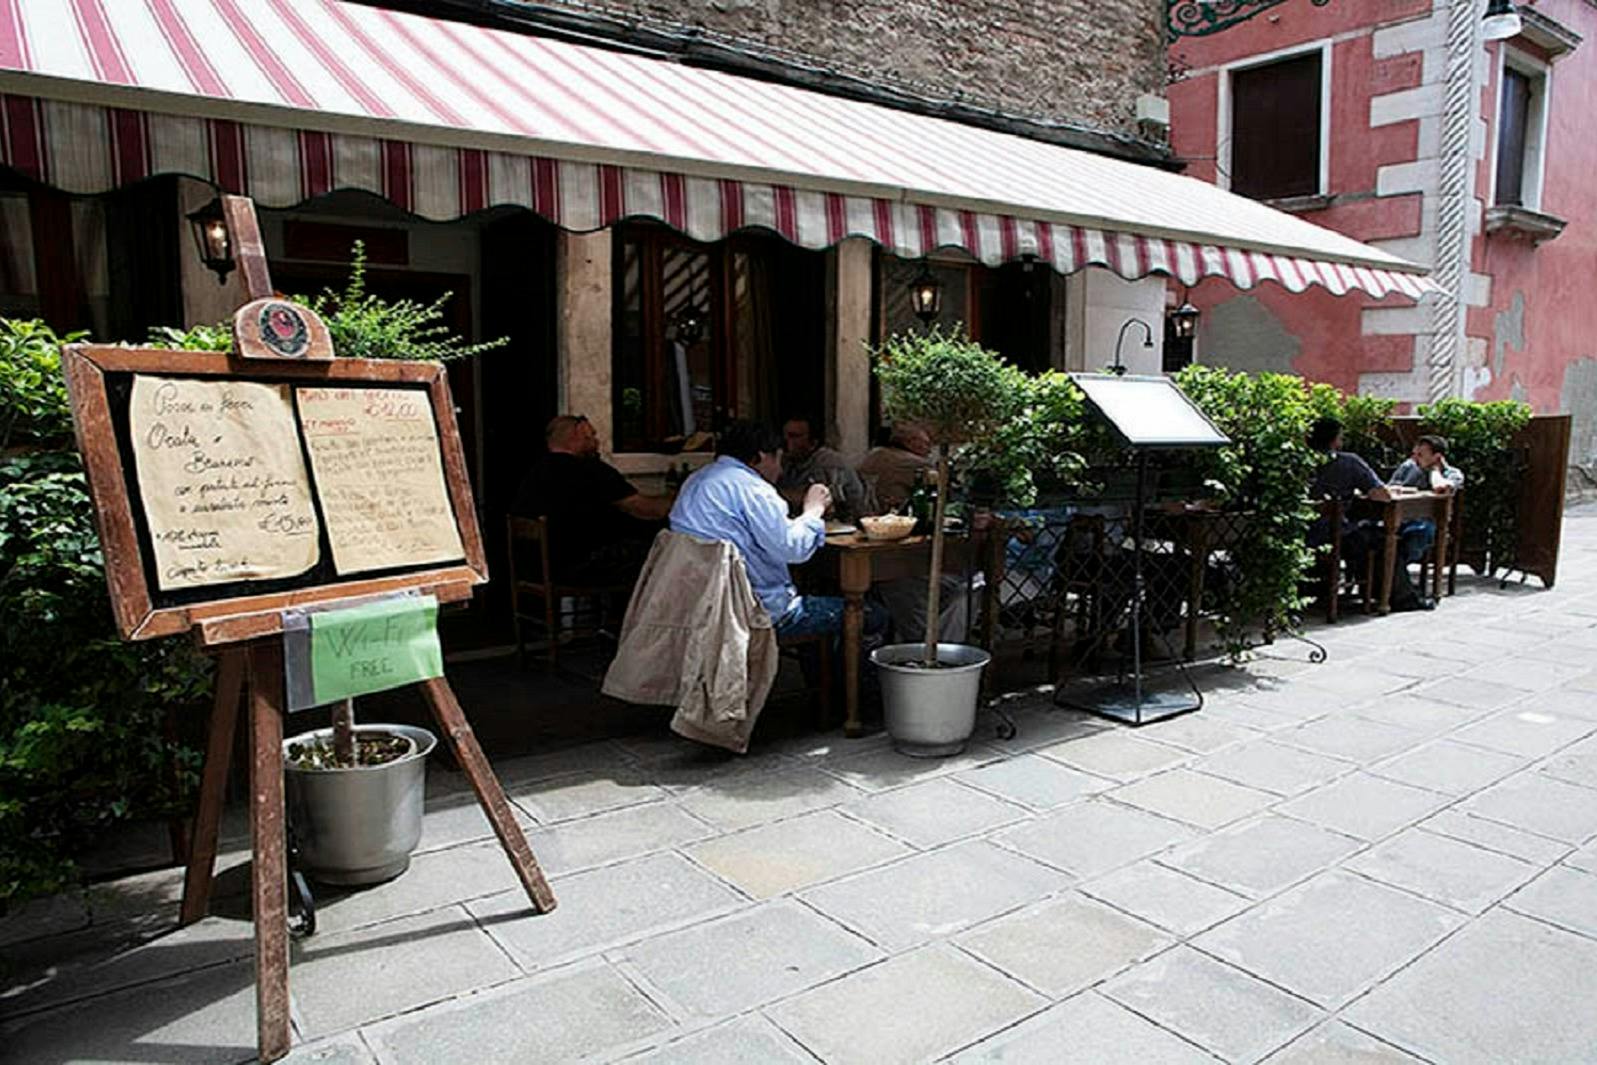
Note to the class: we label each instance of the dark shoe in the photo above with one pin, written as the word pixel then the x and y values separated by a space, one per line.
pixel 1419 602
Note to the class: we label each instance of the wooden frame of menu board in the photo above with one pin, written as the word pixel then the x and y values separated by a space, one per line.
pixel 136 604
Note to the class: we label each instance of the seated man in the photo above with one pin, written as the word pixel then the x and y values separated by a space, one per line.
pixel 892 471
pixel 806 460
pixel 600 526
pixel 1425 470
pixel 732 499
pixel 1343 476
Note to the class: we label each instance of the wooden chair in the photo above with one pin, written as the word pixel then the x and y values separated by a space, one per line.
pixel 547 594
pixel 1334 511
pixel 1455 544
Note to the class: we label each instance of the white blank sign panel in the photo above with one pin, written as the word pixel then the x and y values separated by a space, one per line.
pixel 1150 411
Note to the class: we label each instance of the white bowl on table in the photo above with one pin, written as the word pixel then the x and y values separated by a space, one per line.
pixel 887 526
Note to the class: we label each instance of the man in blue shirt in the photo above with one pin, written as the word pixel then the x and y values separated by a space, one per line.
pixel 733 499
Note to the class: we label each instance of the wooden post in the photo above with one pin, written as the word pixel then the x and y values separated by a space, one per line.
pixel 213 784
pixel 269 884
pixel 249 251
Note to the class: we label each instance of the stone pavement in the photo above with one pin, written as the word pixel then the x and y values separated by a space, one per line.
pixel 1388 857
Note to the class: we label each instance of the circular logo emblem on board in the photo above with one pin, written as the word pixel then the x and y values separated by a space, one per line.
pixel 283 329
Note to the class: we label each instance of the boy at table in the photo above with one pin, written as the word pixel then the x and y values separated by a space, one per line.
pixel 1425 470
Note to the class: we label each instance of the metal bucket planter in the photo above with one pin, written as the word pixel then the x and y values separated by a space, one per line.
pixel 930 712
pixel 358 825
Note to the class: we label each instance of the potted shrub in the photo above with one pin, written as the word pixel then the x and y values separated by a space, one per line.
pixel 960 392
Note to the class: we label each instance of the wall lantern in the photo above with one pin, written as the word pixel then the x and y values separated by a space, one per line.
pixel 215 244
pixel 1502 21
pixel 926 295
pixel 1184 320
pixel 688 325
pixel 1119 368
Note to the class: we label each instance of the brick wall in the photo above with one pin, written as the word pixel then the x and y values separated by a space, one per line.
pixel 1080 61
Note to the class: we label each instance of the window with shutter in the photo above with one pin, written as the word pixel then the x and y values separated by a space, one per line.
pixel 1275 128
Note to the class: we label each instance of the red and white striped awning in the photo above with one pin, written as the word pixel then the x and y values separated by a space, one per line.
pixel 284 100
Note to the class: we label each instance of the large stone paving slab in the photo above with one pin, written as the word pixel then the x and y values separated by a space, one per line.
pixel 1336 1043
pixel 727 966
pixel 1064 945
pixel 1201 733
pixel 1085 1030
pixel 1431 717
pixel 1454 873
pixel 1274 767
pixel 1194 798
pixel 1116 754
pixel 1330 938
pixel 581 794
pixel 1354 739
pixel 1526 731
pixel 1538 803
pixel 603 908
pixel 1172 900
pixel 1262 856
pixel 1220 1008
pixel 396 966
pixel 613 837
pixel 933 813
pixel 935 894
pixel 203 1017
pixel 1448 767
pixel 1365 806
pixel 915 1007
pixel 1476 693
pixel 433 880
pixel 884 767
pixel 1514 842
pixel 745 1041
pixel 755 796
pixel 574 1013
pixel 1561 896
pixel 785 856
pixel 1034 782
pixel 1505 989
pixel 1094 836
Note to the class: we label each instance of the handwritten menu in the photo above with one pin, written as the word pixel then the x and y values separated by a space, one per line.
pixel 379 477
pixel 222 480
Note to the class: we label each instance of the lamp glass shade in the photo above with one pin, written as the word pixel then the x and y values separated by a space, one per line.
pixel 1501 22
pixel 212 239
pixel 1184 321
pixel 926 295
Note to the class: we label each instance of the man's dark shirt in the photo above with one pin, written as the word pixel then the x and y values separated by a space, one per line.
pixel 578 496
pixel 1342 475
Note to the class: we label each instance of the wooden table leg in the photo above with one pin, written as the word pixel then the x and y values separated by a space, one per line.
pixel 1443 517
pixel 213 784
pixel 854 577
pixel 463 742
pixel 269 888
pixel 1334 590
pixel 1389 563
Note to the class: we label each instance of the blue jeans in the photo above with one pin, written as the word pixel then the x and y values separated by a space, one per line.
pixel 815 615
pixel 1414 538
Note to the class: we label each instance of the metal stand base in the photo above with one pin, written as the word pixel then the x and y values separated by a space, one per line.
pixel 1124 703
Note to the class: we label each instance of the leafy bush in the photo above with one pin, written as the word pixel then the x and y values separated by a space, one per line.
pixel 82 743
pixel 1038 445
pixel 1479 436
pixel 364 326
pixel 1265 472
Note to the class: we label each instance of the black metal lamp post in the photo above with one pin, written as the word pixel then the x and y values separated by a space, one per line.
pixel 214 241
pixel 1119 369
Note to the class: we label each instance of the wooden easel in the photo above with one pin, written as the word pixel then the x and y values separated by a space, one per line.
pixel 246 633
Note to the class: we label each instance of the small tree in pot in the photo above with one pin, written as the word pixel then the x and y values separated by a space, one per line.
pixel 960 392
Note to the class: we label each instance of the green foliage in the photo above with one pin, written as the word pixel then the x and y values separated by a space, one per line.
pixel 33 394
pixel 1264 472
pixel 948 383
pixel 1038 445
pixel 364 326
pixel 82 743
pixel 1479 438
pixel 218 337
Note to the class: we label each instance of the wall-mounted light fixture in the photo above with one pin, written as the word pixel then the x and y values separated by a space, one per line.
pixel 1184 319
pixel 1119 369
pixel 214 242
pixel 926 294
pixel 1501 21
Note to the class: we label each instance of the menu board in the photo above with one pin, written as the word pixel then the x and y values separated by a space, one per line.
pixel 379 477
pixel 223 481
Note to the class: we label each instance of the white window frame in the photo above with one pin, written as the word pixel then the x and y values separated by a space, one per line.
pixel 1222 147
pixel 1535 165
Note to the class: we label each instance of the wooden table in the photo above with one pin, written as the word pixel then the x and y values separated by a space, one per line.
pixel 1393 513
pixel 860 563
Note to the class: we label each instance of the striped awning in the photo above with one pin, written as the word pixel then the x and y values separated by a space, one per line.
pixel 284 100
